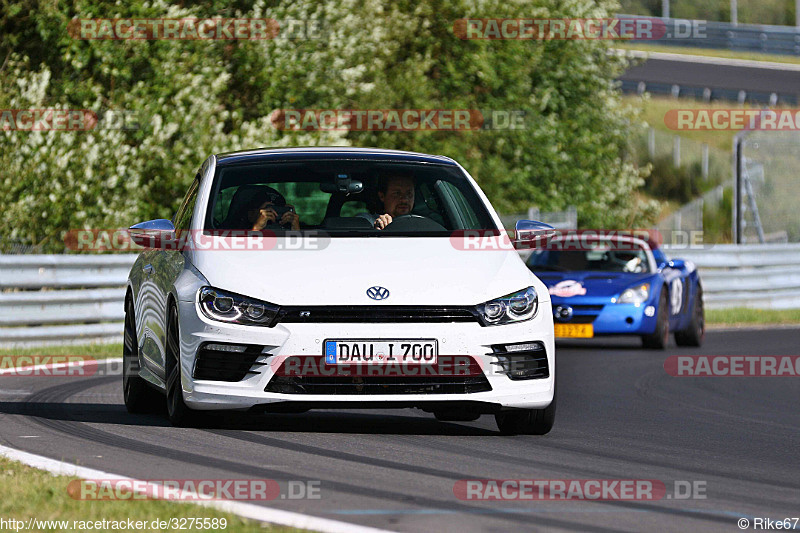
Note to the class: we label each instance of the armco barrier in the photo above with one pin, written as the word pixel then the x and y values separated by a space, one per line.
pixel 761 276
pixel 60 299
pixel 762 38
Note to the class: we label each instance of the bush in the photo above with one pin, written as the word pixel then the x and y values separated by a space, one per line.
pixel 194 98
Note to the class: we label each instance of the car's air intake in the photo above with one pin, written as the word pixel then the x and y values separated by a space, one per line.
pixel 227 362
pixel 521 361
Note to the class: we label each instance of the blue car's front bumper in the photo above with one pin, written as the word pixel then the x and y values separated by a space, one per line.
pixel 607 318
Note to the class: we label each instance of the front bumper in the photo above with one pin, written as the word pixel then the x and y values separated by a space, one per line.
pixel 307 339
pixel 610 318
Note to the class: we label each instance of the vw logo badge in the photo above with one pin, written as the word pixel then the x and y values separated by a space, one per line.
pixel 378 293
pixel 563 312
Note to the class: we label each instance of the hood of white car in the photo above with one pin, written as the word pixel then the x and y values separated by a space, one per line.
pixel 415 271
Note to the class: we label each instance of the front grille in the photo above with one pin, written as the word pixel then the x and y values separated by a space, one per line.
pixel 577 319
pixel 311 375
pixel 582 313
pixel 368 385
pixel 226 366
pixel 370 313
pixel 581 307
pixel 520 365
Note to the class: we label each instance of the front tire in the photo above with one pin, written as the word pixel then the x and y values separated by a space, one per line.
pixel 695 332
pixel 527 421
pixel 660 337
pixel 179 414
pixel 138 395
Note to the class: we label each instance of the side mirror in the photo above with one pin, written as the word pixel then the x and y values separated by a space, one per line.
pixel 157 233
pixel 532 234
pixel 676 264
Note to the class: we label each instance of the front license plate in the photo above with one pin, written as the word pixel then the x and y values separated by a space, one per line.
pixel 407 351
pixel 574 330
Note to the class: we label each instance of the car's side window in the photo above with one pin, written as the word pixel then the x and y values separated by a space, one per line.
pixel 183 218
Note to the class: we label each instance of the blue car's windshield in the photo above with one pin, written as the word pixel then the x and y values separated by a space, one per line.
pixel 601 257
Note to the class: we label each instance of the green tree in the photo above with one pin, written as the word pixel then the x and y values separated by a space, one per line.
pixel 187 99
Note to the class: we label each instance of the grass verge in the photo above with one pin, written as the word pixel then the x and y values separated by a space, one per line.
pixel 654 109
pixel 32 493
pixel 741 316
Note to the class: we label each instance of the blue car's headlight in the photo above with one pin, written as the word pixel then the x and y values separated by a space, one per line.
pixel 236 309
pixel 515 307
pixel 635 295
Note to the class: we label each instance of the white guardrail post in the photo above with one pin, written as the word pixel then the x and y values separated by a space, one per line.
pixel 62 299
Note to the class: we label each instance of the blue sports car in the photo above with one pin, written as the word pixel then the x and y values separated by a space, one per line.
pixel 620 285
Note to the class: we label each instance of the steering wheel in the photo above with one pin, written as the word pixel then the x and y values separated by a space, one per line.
pixel 413 223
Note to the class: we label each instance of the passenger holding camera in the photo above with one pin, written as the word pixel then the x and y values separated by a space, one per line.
pixel 270 211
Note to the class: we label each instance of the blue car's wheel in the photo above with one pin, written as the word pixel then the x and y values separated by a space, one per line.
pixel 695 332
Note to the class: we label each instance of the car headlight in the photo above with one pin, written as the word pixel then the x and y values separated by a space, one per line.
pixel 236 309
pixel 635 295
pixel 514 307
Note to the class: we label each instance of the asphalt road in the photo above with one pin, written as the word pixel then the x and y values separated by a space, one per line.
pixel 620 416
pixel 685 71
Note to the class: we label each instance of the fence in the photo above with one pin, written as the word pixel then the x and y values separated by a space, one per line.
pixel 707 94
pixel 558 219
pixel 761 276
pixel 51 299
pixel 62 299
pixel 784 40
pixel 766 163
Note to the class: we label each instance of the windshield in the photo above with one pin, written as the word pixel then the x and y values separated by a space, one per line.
pixel 600 256
pixel 346 197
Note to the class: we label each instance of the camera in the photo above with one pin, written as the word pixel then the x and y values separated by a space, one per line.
pixel 282 209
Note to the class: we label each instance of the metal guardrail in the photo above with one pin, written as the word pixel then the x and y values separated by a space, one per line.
pixel 760 276
pixel 783 40
pixel 52 299
pixel 62 299
pixel 707 94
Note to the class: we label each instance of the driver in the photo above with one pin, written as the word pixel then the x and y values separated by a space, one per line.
pixel 268 210
pixel 630 261
pixel 396 192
